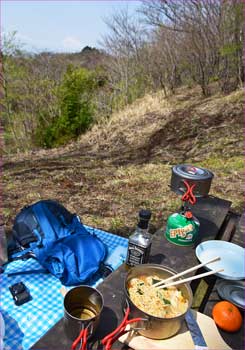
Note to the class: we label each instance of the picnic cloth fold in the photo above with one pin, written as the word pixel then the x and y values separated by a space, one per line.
pixel 27 323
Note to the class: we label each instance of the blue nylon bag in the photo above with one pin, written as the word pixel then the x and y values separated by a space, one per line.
pixel 59 241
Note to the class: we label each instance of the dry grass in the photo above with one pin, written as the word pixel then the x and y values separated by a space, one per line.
pixel 124 164
pixel 131 126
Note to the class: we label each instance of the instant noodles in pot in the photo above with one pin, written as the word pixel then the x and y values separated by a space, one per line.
pixel 155 327
pixel 191 182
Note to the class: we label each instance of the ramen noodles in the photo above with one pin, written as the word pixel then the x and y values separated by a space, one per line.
pixel 165 302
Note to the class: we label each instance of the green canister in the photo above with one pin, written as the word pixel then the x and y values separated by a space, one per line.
pixel 182 228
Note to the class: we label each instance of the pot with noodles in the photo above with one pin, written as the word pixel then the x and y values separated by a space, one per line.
pixel 161 309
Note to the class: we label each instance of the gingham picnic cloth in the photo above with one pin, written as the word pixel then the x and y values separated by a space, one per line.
pixel 27 323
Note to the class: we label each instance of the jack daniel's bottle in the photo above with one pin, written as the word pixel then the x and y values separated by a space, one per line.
pixel 139 243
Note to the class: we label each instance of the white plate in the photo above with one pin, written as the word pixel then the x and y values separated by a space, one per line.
pixel 232 258
pixel 232 291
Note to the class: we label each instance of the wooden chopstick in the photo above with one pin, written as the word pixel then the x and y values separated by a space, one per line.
pixel 186 271
pixel 189 279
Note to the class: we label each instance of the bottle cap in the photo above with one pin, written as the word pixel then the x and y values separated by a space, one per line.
pixel 144 216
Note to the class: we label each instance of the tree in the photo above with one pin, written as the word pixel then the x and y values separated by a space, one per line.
pixel 12 76
pixel 206 27
pixel 164 61
pixel 124 44
pixel 75 96
pixel 231 73
pixel 29 96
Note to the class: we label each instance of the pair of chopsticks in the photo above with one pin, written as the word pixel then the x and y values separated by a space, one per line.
pixel 169 283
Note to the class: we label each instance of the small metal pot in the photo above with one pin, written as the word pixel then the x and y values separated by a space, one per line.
pixel 201 177
pixel 156 327
pixel 82 308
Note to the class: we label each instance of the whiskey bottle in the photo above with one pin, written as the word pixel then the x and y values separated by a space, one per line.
pixel 139 243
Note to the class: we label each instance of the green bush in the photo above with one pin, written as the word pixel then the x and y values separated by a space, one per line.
pixel 75 98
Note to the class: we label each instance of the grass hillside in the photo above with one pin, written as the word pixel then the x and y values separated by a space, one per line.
pixel 124 163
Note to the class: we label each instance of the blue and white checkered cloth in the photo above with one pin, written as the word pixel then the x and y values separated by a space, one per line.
pixel 27 323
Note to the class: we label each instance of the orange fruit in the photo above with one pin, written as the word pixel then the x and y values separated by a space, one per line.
pixel 227 316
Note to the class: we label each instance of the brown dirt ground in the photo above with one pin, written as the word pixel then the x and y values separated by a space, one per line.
pixel 125 164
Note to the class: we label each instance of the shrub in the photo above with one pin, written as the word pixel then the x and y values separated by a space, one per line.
pixel 75 98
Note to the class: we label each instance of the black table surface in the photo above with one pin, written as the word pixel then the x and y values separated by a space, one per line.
pixel 211 212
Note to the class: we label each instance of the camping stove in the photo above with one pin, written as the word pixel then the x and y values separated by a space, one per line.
pixel 190 182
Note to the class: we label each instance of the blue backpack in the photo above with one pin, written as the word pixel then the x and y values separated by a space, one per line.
pixel 47 231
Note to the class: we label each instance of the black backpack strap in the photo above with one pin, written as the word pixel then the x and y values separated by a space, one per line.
pixel 23 256
pixel 27 272
pixel 105 270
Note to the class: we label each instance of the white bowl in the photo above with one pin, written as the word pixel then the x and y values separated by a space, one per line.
pixel 231 258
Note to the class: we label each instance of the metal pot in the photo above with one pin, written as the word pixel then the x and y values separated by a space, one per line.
pixel 82 308
pixel 201 177
pixel 156 327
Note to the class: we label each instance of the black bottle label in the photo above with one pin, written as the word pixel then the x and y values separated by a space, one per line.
pixel 137 255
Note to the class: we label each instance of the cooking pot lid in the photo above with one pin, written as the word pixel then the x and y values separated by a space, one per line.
pixel 232 291
pixel 191 172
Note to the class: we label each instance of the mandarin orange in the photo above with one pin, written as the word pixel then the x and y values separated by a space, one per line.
pixel 227 316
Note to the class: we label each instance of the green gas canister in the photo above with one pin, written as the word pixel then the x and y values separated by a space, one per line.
pixel 182 228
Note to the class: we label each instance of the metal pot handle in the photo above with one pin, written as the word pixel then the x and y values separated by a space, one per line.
pixel 83 336
pixel 142 320
pixel 141 325
pixel 121 330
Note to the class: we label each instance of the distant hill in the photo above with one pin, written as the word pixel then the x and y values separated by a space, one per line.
pixel 124 163
pixel 88 57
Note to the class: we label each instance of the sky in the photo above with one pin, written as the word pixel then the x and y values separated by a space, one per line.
pixel 61 25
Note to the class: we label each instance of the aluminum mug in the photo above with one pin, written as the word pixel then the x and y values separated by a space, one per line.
pixel 82 309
